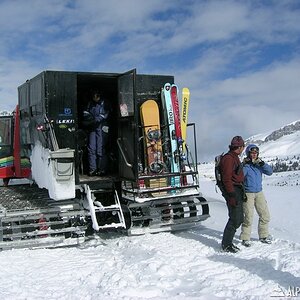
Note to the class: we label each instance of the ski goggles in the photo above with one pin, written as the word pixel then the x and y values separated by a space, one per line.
pixel 254 150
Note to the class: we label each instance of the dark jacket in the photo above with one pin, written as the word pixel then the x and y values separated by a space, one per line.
pixel 231 172
pixel 100 111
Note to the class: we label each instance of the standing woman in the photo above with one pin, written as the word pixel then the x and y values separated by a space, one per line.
pixel 253 169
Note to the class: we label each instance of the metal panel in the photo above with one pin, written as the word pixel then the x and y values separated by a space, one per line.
pixel 149 87
pixel 127 129
pixel 61 105
pixel 23 95
pixel 36 91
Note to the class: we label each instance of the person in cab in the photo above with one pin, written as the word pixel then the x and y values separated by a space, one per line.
pixel 98 137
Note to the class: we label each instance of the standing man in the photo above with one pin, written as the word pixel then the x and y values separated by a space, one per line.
pixel 98 136
pixel 253 169
pixel 232 179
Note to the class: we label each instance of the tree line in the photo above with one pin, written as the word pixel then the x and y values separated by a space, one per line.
pixel 286 164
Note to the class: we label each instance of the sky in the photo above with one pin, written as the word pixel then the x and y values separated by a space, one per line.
pixel 184 265
pixel 240 59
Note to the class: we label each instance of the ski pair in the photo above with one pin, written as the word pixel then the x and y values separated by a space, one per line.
pixel 176 127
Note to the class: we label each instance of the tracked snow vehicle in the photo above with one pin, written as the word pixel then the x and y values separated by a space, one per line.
pixel 46 141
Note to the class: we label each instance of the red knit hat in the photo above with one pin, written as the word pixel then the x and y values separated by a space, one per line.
pixel 237 141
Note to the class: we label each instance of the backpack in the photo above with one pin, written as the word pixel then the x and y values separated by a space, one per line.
pixel 218 175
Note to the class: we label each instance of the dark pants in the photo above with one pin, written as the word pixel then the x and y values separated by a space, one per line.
pixel 236 217
pixel 97 152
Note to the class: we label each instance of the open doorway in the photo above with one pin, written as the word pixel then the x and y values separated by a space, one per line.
pixel 107 84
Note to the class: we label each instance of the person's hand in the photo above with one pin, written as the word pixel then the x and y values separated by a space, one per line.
pixel 258 162
pixel 232 201
pixel 246 160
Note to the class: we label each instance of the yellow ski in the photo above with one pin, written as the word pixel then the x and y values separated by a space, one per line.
pixel 184 114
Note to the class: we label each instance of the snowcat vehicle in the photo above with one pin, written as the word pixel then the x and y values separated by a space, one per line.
pixel 45 141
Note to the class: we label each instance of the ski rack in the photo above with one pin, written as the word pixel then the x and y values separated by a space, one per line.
pixel 133 193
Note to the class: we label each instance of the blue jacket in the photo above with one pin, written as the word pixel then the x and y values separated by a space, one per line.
pixel 253 176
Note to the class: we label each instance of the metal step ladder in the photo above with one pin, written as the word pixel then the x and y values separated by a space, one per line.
pixel 99 211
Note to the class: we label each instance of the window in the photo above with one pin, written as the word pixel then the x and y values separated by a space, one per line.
pixel 5 136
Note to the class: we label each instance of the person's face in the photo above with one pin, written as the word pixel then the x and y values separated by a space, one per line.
pixel 240 149
pixel 96 97
pixel 253 155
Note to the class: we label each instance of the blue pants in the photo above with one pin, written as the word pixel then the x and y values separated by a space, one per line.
pixel 236 217
pixel 97 152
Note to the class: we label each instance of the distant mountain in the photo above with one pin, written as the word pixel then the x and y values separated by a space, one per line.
pixel 275 135
pixel 280 147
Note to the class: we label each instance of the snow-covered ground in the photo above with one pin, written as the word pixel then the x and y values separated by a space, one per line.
pixel 183 265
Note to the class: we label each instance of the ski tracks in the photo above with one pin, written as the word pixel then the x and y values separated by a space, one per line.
pixel 185 265
pixel 190 264
pixel 254 272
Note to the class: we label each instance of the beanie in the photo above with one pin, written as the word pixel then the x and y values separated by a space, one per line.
pixel 237 141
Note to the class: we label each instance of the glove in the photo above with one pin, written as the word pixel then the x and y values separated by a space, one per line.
pixel 258 162
pixel 232 201
pixel 246 160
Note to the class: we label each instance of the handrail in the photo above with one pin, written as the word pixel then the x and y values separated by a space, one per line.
pixel 123 154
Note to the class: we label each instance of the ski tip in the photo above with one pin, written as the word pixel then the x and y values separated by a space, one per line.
pixel 186 90
pixel 150 103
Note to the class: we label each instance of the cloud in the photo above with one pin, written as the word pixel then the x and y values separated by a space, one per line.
pixel 253 103
pixel 12 74
pixel 239 58
pixel 268 86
